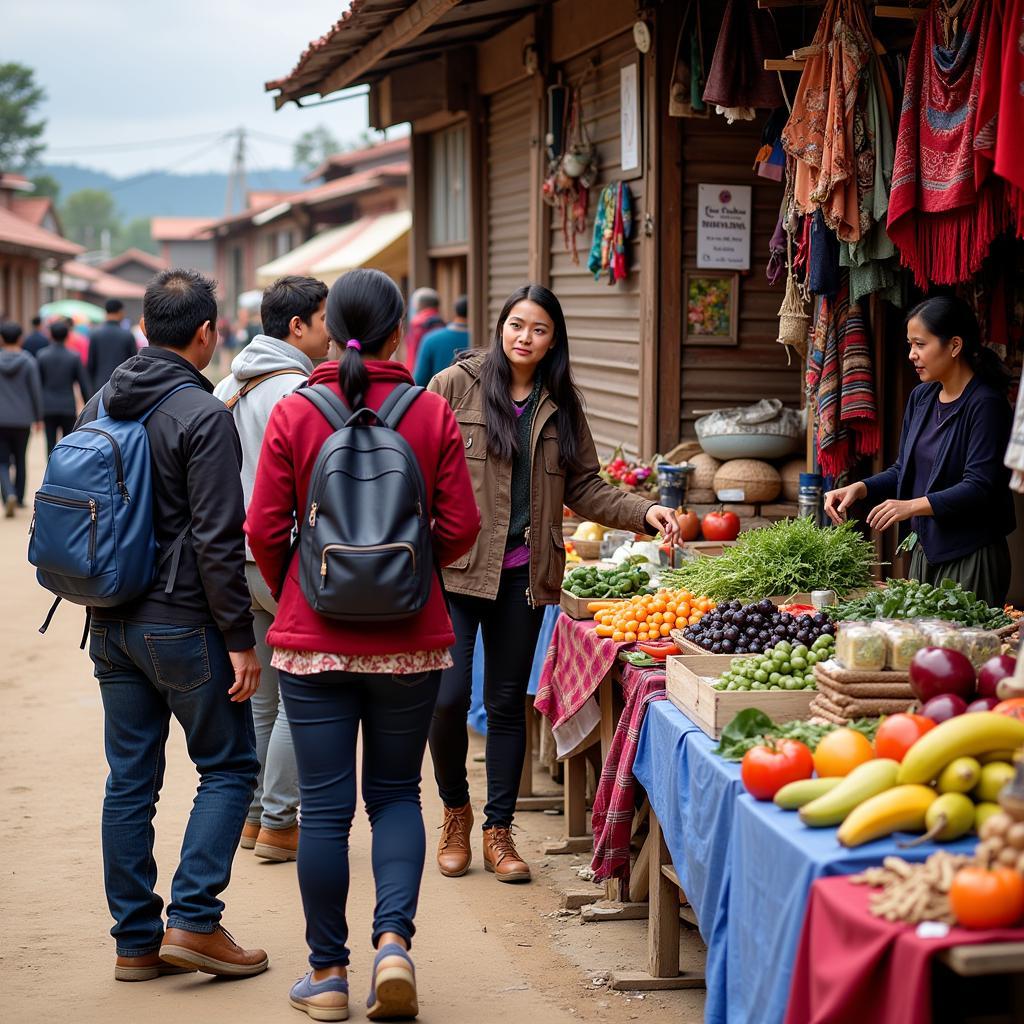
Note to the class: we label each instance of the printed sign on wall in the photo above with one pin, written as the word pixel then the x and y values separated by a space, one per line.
pixel 723 227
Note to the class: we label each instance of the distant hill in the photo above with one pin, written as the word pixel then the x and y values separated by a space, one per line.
pixel 165 194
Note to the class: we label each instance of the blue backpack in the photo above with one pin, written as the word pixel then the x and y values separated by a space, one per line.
pixel 91 538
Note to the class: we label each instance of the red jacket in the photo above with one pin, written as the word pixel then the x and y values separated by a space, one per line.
pixel 425 321
pixel 295 433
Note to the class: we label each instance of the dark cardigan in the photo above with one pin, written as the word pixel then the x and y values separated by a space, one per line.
pixel 968 486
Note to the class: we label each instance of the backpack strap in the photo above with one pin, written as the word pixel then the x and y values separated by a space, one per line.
pixel 396 405
pixel 255 382
pixel 156 405
pixel 333 409
pixel 173 552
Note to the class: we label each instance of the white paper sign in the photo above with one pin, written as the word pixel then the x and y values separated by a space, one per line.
pixel 629 110
pixel 723 227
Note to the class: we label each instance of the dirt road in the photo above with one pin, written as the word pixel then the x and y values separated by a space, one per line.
pixel 484 952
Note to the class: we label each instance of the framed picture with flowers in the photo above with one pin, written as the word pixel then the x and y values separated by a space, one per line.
pixel 711 309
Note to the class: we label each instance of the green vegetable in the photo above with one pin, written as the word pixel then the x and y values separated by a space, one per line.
pixel 788 557
pixel 752 726
pixel 784 667
pixel 908 599
pixel 592 582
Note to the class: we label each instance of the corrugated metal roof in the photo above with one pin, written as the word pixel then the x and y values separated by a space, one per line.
pixel 353 158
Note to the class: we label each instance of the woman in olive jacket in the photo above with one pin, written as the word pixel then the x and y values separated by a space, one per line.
pixel 529 452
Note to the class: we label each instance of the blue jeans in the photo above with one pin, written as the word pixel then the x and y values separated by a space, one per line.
pixel 325 712
pixel 148 672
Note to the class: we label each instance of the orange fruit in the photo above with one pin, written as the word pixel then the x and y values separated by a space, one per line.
pixel 841 751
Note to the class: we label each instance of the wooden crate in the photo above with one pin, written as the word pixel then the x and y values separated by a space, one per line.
pixel 708 548
pixel 576 607
pixel 688 686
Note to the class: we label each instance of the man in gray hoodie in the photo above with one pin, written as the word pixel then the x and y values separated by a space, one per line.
pixel 21 405
pixel 270 367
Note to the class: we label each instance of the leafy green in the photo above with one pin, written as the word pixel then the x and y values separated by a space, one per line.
pixel 789 557
pixel 752 727
pixel 909 599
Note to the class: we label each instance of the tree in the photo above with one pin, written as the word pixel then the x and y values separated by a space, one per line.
pixel 86 214
pixel 46 185
pixel 314 147
pixel 135 234
pixel 20 96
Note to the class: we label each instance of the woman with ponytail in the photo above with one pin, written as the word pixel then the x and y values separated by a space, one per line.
pixel 530 453
pixel 339 678
pixel 948 482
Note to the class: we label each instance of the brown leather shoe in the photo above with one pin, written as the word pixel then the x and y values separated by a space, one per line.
pixel 213 952
pixel 278 844
pixel 501 857
pixel 145 968
pixel 249 833
pixel 453 851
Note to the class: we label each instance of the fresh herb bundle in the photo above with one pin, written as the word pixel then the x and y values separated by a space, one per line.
pixel 752 726
pixel 908 599
pixel 789 557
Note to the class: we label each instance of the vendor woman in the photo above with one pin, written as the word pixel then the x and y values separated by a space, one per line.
pixel 949 480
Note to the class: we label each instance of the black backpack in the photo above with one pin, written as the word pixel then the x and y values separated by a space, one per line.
pixel 365 550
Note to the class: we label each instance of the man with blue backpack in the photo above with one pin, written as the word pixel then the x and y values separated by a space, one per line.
pixel 140 519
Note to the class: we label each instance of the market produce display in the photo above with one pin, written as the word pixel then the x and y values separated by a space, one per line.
pixel 792 556
pixel 650 616
pixel 912 893
pixel 590 581
pixel 766 768
pixel 785 667
pixel 630 476
pixel 737 628
pixel 752 727
pixel 908 599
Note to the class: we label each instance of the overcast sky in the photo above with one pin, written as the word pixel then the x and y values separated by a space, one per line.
pixel 129 71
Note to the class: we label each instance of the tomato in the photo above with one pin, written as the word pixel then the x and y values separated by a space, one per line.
pixel 841 751
pixel 1014 707
pixel 987 899
pixel 720 526
pixel 898 733
pixel 689 524
pixel 766 769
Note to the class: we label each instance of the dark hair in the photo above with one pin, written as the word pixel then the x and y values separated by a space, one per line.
pixel 113 305
pixel 287 297
pixel 10 332
pixel 59 331
pixel 37 321
pixel 177 303
pixel 948 317
pixel 461 306
pixel 367 306
pixel 553 371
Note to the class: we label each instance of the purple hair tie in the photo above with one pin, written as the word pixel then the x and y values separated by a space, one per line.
pixel 352 343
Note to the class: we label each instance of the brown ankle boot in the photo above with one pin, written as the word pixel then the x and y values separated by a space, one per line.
pixel 453 851
pixel 145 968
pixel 250 831
pixel 501 857
pixel 278 844
pixel 213 952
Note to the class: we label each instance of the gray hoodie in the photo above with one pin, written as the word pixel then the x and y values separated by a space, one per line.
pixel 262 355
pixel 21 396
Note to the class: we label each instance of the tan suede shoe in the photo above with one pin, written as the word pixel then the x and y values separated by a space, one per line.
pixel 278 844
pixel 249 833
pixel 214 952
pixel 501 857
pixel 145 968
pixel 453 851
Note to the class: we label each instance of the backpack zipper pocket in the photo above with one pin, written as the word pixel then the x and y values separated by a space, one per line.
pixel 88 505
pixel 118 465
pixel 401 545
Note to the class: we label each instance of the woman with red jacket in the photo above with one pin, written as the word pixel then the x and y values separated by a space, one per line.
pixel 337 676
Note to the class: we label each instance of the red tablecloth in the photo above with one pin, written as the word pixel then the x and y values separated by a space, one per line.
pixel 576 662
pixel 854 968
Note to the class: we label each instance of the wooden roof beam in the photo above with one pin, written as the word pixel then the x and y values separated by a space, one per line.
pixel 412 22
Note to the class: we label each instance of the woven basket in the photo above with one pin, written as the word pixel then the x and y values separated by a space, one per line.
pixel 704 469
pixel 588 550
pixel 759 481
pixel 845 679
pixel 790 474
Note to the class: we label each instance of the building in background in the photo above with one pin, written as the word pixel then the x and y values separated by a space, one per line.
pixel 134 265
pixel 185 242
pixel 85 281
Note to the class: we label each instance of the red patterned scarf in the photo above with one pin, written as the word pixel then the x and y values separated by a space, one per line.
pixel 942 217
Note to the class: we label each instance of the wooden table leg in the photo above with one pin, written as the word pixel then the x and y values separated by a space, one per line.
pixel 528 800
pixel 576 839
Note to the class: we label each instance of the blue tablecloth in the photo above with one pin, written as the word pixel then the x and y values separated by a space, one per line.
pixel 746 866
pixel 477 715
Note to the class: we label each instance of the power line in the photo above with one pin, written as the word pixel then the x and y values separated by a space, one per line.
pixel 128 146
pixel 178 163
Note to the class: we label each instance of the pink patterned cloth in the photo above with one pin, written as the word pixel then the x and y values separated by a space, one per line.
pixel 406 663
pixel 615 802
pixel 576 662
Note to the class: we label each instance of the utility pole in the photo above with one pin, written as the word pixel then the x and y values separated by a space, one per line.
pixel 236 176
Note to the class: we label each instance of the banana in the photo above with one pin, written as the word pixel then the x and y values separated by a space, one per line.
pixel 963 736
pixel 901 809
pixel 794 795
pixel 865 781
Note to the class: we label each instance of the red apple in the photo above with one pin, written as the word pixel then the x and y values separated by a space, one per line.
pixel 937 670
pixel 993 672
pixel 945 706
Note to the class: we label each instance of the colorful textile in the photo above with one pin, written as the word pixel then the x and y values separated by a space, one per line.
pixel 823 275
pixel 943 214
pixel 310 663
pixel 840 383
pixel 737 80
pixel 853 967
pixel 820 131
pixel 615 802
pixel 613 226
pixel 1009 148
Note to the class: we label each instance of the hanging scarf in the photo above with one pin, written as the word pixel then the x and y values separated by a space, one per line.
pixel 613 226
pixel 840 384
pixel 941 221
pixel 820 130
pixel 1009 148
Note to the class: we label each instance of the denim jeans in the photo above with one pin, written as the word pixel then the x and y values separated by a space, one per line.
pixel 326 711
pixel 13 446
pixel 275 803
pixel 148 672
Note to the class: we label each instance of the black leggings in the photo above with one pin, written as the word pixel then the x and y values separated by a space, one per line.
pixel 13 445
pixel 510 629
